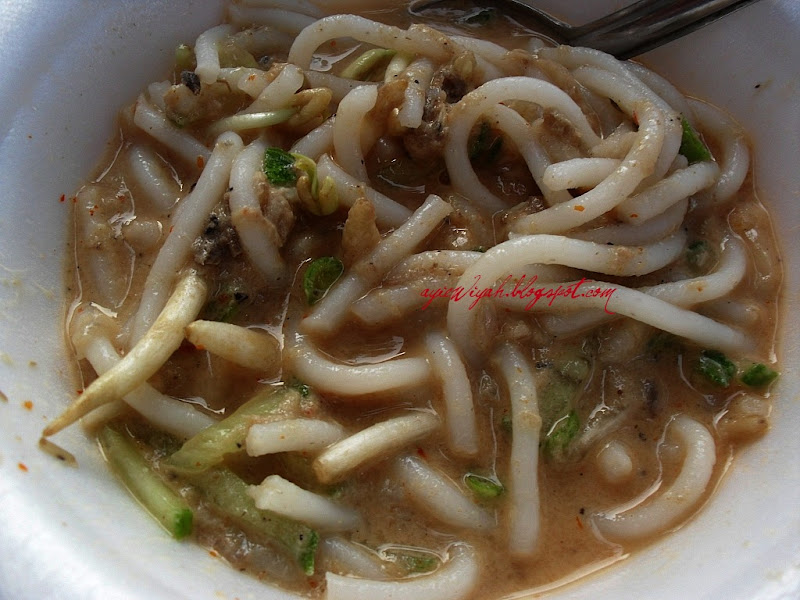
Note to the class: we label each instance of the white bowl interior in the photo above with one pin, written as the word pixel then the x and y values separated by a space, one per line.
pixel 74 533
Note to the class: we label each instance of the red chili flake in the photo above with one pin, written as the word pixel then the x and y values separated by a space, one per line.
pixel 74 199
pixel 635 118
pixel 421 452
pixel 312 584
pixel 22 467
pixel 27 405
pixel 171 228
pixel 200 162
pixel 79 392
pixel 251 77
pixel 579 208
pixel 63 197
pixel 578 521
pixel 634 216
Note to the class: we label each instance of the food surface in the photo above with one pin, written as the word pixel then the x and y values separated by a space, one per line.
pixel 404 304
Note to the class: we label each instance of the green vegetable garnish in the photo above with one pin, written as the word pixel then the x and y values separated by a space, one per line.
pixel 660 343
pixel 486 143
pixel 413 562
pixel 561 434
pixel 225 305
pixel 507 424
pixel 555 400
pixel 228 496
pixel 716 367
pixel 209 447
pixel 483 487
pixel 575 369
pixel 145 484
pixel 692 147
pixel 184 58
pixel 320 275
pixel 700 256
pixel 367 64
pixel 279 167
pixel 758 375
pixel 288 169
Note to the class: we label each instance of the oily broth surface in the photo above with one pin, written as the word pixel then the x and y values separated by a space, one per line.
pixel 570 492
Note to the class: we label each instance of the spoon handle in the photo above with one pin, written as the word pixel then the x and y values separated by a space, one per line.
pixel 647 24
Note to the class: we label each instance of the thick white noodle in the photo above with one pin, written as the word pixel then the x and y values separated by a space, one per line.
pixel 279 93
pixel 453 581
pixel 660 314
pixel 615 462
pixel 735 160
pixel 685 293
pixel 153 178
pixel 439 496
pixel 145 358
pixel 579 172
pixel 452 261
pixel 329 314
pixel 523 479
pixel 207 54
pixel 316 142
pixel 339 555
pixel 373 444
pixel 304 7
pixel 257 235
pixel 468 110
pixel 495 54
pixel 415 40
pixel 388 213
pixel 419 75
pixel 156 92
pixel 315 369
pixel 292 435
pixel 627 92
pixel 252 348
pixel 637 164
pixel 386 304
pixel 347 139
pixel 616 145
pixel 638 234
pixel 286 21
pixel 339 86
pixel 668 92
pixel 460 420
pixel 512 124
pixel 190 218
pixel 644 516
pixel 283 497
pixel 173 416
pixel 155 123
pixel 613 78
pixel 250 80
pixel 672 189
pixel 507 257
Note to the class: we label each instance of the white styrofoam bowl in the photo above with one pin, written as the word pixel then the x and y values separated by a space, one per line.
pixel 68 66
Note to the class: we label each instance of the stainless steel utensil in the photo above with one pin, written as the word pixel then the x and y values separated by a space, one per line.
pixel 633 30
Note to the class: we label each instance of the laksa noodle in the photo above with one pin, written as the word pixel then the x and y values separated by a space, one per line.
pixel 419 306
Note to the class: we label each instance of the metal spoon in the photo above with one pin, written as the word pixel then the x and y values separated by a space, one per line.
pixel 633 30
